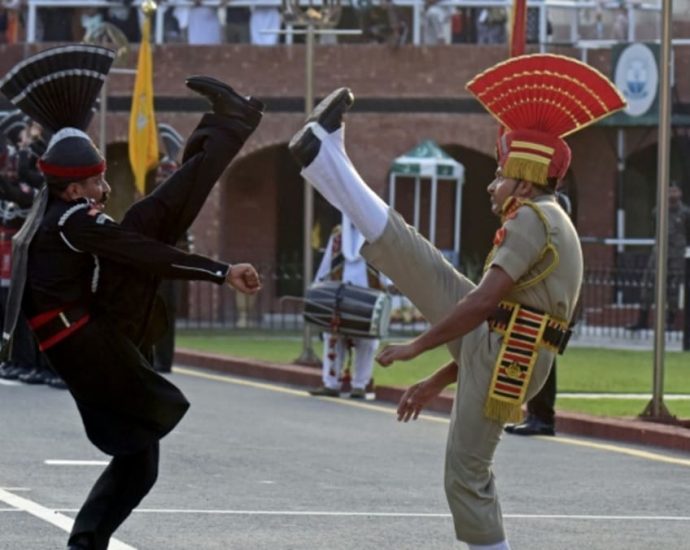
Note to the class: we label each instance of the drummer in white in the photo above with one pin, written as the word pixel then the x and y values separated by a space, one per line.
pixel 343 262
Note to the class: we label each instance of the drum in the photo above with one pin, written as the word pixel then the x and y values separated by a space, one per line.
pixel 348 309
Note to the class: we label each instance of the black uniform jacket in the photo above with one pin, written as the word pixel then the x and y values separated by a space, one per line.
pixel 81 259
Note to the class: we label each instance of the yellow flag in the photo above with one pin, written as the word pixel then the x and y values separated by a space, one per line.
pixel 143 136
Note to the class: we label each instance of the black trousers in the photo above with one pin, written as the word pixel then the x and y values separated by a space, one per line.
pixel 118 490
pixel 542 405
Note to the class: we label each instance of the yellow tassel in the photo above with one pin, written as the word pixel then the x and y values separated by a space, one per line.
pixel 523 169
pixel 502 412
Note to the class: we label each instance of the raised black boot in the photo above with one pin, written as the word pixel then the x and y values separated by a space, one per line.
pixel 226 101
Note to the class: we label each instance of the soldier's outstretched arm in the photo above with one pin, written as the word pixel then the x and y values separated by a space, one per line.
pixel 467 315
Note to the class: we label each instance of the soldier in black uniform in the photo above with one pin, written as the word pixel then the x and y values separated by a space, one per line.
pixel 20 182
pixel 91 282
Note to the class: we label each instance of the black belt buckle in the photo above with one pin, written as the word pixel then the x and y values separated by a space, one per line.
pixel 60 322
pixel 565 338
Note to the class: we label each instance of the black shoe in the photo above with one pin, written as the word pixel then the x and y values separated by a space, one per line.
pixel 80 542
pixel 35 376
pixel 328 114
pixel 9 371
pixel 323 391
pixel 358 393
pixel 531 426
pixel 226 101
pixel 55 381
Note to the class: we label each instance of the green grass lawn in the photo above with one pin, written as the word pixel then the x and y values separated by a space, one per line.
pixel 579 370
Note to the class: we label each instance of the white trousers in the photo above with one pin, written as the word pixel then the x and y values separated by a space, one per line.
pixel 334 357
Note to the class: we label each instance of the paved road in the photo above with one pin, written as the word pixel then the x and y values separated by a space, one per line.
pixel 255 466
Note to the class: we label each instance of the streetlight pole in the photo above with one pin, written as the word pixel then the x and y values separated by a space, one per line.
pixel 307 356
pixel 324 16
pixel 656 408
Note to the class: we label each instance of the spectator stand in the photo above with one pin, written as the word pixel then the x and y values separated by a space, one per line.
pixel 562 10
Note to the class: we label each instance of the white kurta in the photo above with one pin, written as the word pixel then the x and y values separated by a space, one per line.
pixel 334 348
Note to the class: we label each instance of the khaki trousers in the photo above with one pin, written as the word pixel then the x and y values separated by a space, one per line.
pixel 420 272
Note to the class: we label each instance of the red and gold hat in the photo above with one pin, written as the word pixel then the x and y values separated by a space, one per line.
pixel 539 99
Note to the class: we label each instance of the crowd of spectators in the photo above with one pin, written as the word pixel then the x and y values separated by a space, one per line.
pixel 380 21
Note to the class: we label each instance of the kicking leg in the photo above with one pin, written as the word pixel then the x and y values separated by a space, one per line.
pixel 169 211
pixel 320 149
pixel 413 264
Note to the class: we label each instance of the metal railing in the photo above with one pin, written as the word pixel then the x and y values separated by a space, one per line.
pixel 569 10
pixel 610 303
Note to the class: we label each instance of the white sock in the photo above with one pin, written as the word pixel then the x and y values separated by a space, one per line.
pixel 335 177
pixel 503 545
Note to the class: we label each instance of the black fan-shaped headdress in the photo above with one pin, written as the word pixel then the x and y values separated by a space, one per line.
pixel 58 89
pixel 172 141
pixel 12 124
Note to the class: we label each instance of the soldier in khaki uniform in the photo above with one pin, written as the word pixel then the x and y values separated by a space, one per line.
pixel 503 333
pixel 678 225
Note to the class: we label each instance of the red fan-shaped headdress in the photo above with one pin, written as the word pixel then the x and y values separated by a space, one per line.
pixel 539 99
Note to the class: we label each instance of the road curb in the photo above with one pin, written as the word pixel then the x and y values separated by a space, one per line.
pixel 611 429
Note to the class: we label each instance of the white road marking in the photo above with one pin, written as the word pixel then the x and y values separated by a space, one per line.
pixel 667 396
pixel 50 516
pixel 15 489
pixel 658 457
pixel 323 513
pixel 56 462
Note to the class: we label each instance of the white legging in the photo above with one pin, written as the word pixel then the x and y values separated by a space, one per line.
pixel 335 177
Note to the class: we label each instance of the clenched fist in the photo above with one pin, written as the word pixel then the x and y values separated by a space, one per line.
pixel 243 277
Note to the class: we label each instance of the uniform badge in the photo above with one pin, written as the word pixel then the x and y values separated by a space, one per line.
pixel 513 370
pixel 499 236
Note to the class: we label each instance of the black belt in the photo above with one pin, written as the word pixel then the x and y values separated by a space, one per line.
pixel 556 333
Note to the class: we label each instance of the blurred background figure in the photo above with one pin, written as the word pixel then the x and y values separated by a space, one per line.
pixel 437 16
pixel 264 18
pixel 164 348
pixel 541 409
pixel 678 226
pixel 21 143
pixel 200 23
pixel 58 24
pixel 10 21
pixel 343 262
pixel 491 26
pixel 619 30
pixel 237 24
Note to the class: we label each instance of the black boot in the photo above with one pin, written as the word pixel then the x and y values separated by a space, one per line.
pixel 642 323
pixel 531 426
pixel 670 320
pixel 328 114
pixel 226 101
pixel 34 376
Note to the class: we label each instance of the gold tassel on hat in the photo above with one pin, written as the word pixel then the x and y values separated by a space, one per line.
pixel 521 168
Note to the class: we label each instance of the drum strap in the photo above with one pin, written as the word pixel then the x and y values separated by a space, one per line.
pixel 335 320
